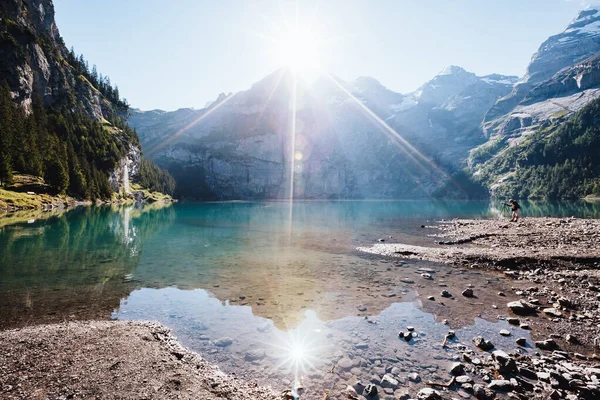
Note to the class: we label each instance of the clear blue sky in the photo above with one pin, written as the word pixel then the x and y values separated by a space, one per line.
pixel 183 53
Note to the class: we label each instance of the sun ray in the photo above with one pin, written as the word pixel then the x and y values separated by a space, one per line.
pixel 409 149
pixel 181 131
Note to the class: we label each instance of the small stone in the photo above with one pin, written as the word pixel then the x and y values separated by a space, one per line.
pixel 525 327
pixel 446 293
pixel 468 292
pixel 482 393
pixel 457 369
pixel 504 332
pixel 521 307
pixel 345 364
pixel 362 308
pixel 501 385
pixel 410 328
pixel 223 342
pixel 431 298
pixel 429 394
pixel 370 391
pixel 571 339
pixel 504 362
pixel 521 341
pixel 414 377
pixel 548 344
pixel 553 312
pixel 483 344
pixel 255 355
pixel 512 321
pixel 388 382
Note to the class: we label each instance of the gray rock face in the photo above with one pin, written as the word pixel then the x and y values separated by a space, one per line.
pixel 579 41
pixel 241 145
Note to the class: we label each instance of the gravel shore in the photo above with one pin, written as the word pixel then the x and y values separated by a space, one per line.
pixel 110 360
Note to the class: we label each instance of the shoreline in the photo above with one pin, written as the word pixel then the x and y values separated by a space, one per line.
pixel 111 360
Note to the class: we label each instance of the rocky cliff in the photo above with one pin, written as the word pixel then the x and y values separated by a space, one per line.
pixel 35 62
pixel 352 139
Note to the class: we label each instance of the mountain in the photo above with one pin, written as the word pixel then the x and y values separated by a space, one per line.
pixel 579 41
pixel 60 119
pixel 453 135
pixel 353 139
pixel 562 79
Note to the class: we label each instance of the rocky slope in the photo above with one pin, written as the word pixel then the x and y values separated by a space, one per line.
pixel 350 137
pixel 35 62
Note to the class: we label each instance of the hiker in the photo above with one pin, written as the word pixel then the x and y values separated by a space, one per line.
pixel 515 207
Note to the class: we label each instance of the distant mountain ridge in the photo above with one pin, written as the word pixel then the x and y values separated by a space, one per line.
pixel 238 146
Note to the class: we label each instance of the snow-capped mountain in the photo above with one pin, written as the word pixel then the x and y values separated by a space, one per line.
pixel 239 146
pixel 579 41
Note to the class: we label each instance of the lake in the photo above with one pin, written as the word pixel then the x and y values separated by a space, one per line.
pixel 268 290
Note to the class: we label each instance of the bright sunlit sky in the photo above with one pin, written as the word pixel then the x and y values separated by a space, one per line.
pixel 183 53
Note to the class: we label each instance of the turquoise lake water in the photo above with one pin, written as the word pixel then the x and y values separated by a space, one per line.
pixel 264 289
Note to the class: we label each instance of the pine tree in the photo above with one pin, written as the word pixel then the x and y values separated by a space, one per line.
pixel 6 134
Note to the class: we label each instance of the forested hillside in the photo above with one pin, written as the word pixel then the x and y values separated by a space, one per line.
pixel 557 161
pixel 60 119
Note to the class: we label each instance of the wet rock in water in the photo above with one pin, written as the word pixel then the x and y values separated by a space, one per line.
pixel 446 293
pixel 388 381
pixel 429 394
pixel 370 391
pixel 504 332
pixel 410 328
pixel 361 346
pixel 457 369
pixel 483 393
pixel 521 307
pixel 362 308
pixel 525 327
pixel 548 344
pixel 223 342
pixel 501 385
pixel 414 377
pixel 512 320
pixel 483 344
pixel 521 341
pixel 468 292
pixel 504 362
pixel 345 364
pixel 553 312
pixel 451 335
pixel 255 355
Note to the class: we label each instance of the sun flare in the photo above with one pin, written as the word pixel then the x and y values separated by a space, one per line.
pixel 299 50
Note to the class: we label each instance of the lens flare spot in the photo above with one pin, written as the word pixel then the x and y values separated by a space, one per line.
pixel 298 156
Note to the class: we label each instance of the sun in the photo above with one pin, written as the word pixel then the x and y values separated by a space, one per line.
pixel 299 50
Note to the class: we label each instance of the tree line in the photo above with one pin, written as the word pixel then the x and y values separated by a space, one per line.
pixel 73 153
pixel 556 162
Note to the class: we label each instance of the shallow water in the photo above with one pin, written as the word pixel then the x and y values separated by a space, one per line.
pixel 284 283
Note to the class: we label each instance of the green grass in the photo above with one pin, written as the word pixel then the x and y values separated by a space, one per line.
pixel 149 195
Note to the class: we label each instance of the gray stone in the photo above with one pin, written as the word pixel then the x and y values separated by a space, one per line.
pixel 521 307
pixel 548 344
pixel 446 293
pixel 255 355
pixel 370 391
pixel 468 292
pixel 223 342
pixel 429 394
pixel 501 385
pixel 457 369
pixel 553 312
pixel 388 382
pixel 483 393
pixel 504 362
pixel 483 344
